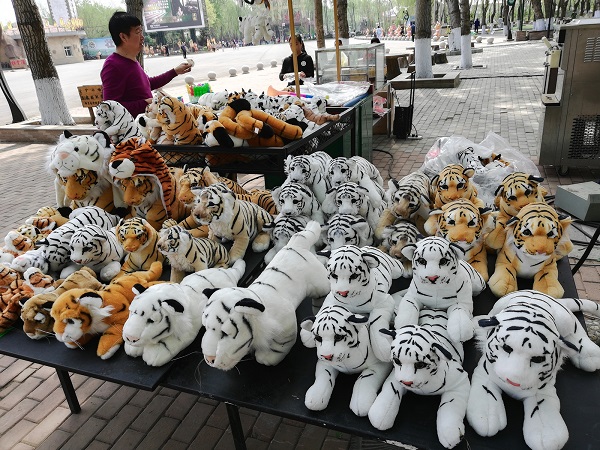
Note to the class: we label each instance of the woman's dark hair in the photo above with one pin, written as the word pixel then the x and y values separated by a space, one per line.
pixel 121 22
pixel 375 40
pixel 298 39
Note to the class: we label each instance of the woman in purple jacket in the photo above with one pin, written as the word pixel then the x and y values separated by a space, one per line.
pixel 123 79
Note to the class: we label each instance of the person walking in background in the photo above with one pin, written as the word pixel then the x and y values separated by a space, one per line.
pixel 477 24
pixel 412 31
pixel 184 51
pixel 306 67
pixel 123 79
pixel 378 32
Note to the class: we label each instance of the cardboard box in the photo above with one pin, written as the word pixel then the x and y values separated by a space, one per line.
pixel 581 200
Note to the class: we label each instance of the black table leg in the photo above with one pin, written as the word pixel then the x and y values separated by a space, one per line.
pixel 233 413
pixel 69 390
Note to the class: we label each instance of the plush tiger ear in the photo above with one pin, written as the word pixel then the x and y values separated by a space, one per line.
pixel 47 306
pixel 458 250
pixel 249 306
pixel 286 164
pixel 499 190
pixel 306 335
pixel 275 194
pixel 22 301
pixel 138 289
pixel 489 322
pixel 534 178
pixel 173 304
pixel 389 333
pixel 469 172
pixel 362 226
pixel 209 291
pixel 484 211
pixel 371 261
pixel 393 184
pixel 326 254
pixel 435 212
pixel 91 299
pixel 512 222
pixel 441 351
pixel 408 251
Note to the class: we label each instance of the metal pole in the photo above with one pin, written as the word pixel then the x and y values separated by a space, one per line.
pixel 293 41
pixel 338 57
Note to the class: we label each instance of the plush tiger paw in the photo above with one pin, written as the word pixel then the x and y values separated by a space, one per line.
pixel 157 355
pixel 132 350
pixel 362 399
pixel 549 285
pixel 111 351
pixel 501 283
pixel 460 326
pixel 168 223
pixel 261 242
pixel 110 271
pixel 485 413
pixel 317 399
pixel 450 431
pixel 545 430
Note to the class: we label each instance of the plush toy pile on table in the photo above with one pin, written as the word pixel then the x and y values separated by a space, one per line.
pixel 334 234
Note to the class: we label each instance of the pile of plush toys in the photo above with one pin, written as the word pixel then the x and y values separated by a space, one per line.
pixel 333 233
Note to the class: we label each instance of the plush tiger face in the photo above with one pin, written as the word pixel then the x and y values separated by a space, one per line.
pixel 341 170
pixel 139 190
pixel 173 240
pixel 452 183
pixel 299 169
pixel 347 198
pixel 281 230
pixel 80 152
pixel 295 199
pixel 406 196
pixel 397 236
pixel 16 243
pixel 135 234
pixel 460 222
pixel 211 202
pixel 346 229
pixel 35 314
pixel 37 258
pixel 30 231
pixel 92 245
pixel 7 275
pixel 116 121
pixel 178 122
pixel 538 230
pixel 350 272
pixel 83 184
pixel 435 261
pixel 518 190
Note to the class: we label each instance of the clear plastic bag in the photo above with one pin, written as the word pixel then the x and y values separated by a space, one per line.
pixel 337 94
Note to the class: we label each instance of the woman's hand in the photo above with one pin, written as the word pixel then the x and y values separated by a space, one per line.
pixel 184 67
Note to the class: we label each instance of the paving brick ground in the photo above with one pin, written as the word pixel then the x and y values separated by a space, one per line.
pixel 503 97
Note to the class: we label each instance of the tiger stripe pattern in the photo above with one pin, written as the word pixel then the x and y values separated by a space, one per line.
pixel 296 199
pixel 358 170
pixel 200 177
pixel 452 183
pixel 262 197
pixel 397 236
pixel 469 159
pixel 346 229
pixel 138 238
pixel 114 119
pixel 281 231
pixel 94 247
pixel 351 198
pixel 178 123
pixel 310 170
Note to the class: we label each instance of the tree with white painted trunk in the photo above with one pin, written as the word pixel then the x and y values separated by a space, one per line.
pixel 52 104
pixel 466 59
pixel 539 23
pixel 423 67
pixel 454 13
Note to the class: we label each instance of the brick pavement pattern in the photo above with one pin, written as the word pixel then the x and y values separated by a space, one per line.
pixel 503 96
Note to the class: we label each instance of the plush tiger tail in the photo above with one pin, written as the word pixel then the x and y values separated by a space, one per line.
pixel 307 238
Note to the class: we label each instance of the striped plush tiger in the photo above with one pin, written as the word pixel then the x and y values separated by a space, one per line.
pixel 178 123
pixel 462 223
pixel 138 238
pixel 470 160
pixel 406 199
pixel 358 170
pixel 343 346
pixel 517 190
pixel 15 244
pixel 296 199
pixel 281 231
pixel 397 236
pixel 524 340
pixel 441 280
pixel 360 280
pixel 200 177
pixel 189 254
pixel 426 362
pixel 262 197
pixel 452 183
pixel 114 119
pixel 81 314
pixel 94 247
pixel 351 198
pixel 229 218
pixel 32 258
pixel 261 318
pixel 310 170
pixel 346 229
pixel 165 318
pixel 536 239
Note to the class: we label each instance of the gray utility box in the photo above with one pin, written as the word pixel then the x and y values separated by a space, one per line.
pixel 581 200
pixel 571 127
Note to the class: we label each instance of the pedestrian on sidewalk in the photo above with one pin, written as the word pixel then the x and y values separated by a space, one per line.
pixel 184 51
pixel 477 24
pixel 123 79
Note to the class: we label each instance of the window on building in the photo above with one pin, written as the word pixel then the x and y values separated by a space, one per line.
pixel 68 50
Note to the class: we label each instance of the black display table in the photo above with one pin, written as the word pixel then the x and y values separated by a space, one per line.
pixel 280 390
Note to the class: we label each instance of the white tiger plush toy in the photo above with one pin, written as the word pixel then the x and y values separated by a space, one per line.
pixel 165 318
pixel 296 199
pixel 441 280
pixel 406 199
pixel 94 247
pixel 397 236
pixel 350 198
pixel 346 229
pixel 310 170
pixel 57 243
pixel 32 258
pixel 262 317
pixel 426 362
pixel 189 254
pixel 524 340
pixel 114 119
pixel 281 231
pixel 360 280
pixel 216 100
pixel 343 345
pixel 358 170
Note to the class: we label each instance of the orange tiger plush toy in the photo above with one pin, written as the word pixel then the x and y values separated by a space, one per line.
pixel 452 183
pixel 80 314
pixel 178 123
pixel 148 185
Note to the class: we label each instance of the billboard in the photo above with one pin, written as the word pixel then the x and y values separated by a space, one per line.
pixel 166 15
pixel 97 48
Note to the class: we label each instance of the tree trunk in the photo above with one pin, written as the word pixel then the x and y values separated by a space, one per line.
pixel 538 15
pixel 319 24
pixel 466 59
pixel 423 67
pixel 493 16
pixel 342 18
pixel 484 9
pixel 596 8
pixel 17 113
pixel 454 13
pixel 135 7
pixel 51 100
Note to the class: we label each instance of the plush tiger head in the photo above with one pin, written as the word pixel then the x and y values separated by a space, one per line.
pixel 17 243
pixel 517 190
pixel 140 170
pixel 37 258
pixel 522 347
pixel 397 236
pixel 173 240
pixel 281 230
pixel 460 222
pixel 347 198
pixel 135 234
pixel 80 152
pixel 435 261
pixel 211 202
pixel 76 313
pixel 341 170
pixel 301 168
pixel 346 229
pixel 178 121
pixel 469 159
pixel 538 230
pixel 408 195
pixel 8 275
pixel 295 199
pixel 452 183
pixel 194 178
pixel 350 273
pixel 117 121
pixel 83 184
pixel 31 231
pixel 91 245
pixel 340 337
